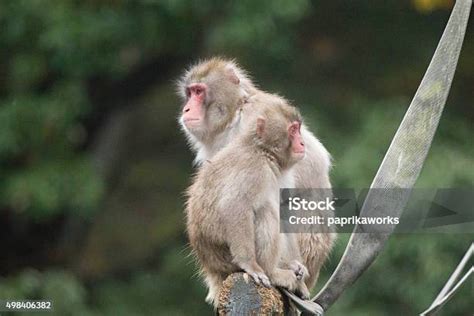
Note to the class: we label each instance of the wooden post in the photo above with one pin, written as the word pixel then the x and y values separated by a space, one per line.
pixel 241 296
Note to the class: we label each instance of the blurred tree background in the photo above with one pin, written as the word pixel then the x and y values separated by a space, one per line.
pixel 93 165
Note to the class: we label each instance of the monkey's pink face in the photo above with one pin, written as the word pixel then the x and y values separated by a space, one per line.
pixel 296 140
pixel 193 111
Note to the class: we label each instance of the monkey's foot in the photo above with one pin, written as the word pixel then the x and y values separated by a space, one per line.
pixel 284 278
pixel 260 278
pixel 299 269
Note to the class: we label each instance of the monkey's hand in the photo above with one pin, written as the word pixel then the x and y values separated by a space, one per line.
pixel 299 269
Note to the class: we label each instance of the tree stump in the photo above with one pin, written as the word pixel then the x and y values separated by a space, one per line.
pixel 241 296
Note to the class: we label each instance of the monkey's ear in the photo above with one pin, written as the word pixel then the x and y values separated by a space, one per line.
pixel 232 76
pixel 260 126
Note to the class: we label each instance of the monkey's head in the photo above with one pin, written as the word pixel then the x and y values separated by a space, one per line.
pixel 213 91
pixel 277 129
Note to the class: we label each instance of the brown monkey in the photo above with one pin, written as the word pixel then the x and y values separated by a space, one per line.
pixel 213 98
pixel 214 92
pixel 232 207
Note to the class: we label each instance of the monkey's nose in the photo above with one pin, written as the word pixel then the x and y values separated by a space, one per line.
pixel 185 110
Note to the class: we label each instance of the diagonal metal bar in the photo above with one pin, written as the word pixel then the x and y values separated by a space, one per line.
pixel 449 288
pixel 305 306
pixel 456 273
pixel 402 163
pixel 438 304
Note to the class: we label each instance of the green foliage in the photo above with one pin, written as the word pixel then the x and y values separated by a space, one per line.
pixel 408 276
pixel 156 292
pixel 447 165
pixel 42 172
pixel 62 289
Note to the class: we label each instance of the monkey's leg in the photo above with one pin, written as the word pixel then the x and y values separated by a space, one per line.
pixel 240 237
pixel 269 245
pixel 291 256
pixel 291 259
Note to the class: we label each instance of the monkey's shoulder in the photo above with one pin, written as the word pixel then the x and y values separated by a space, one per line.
pixel 232 163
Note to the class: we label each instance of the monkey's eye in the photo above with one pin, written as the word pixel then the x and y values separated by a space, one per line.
pixel 198 91
pixel 187 91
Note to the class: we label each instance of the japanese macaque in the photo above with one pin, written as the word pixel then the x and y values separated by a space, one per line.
pixel 214 93
pixel 232 207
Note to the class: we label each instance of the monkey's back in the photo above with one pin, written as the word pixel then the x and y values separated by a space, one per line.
pixel 226 186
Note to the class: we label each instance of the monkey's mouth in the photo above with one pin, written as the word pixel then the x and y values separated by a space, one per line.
pixel 299 154
pixel 191 122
